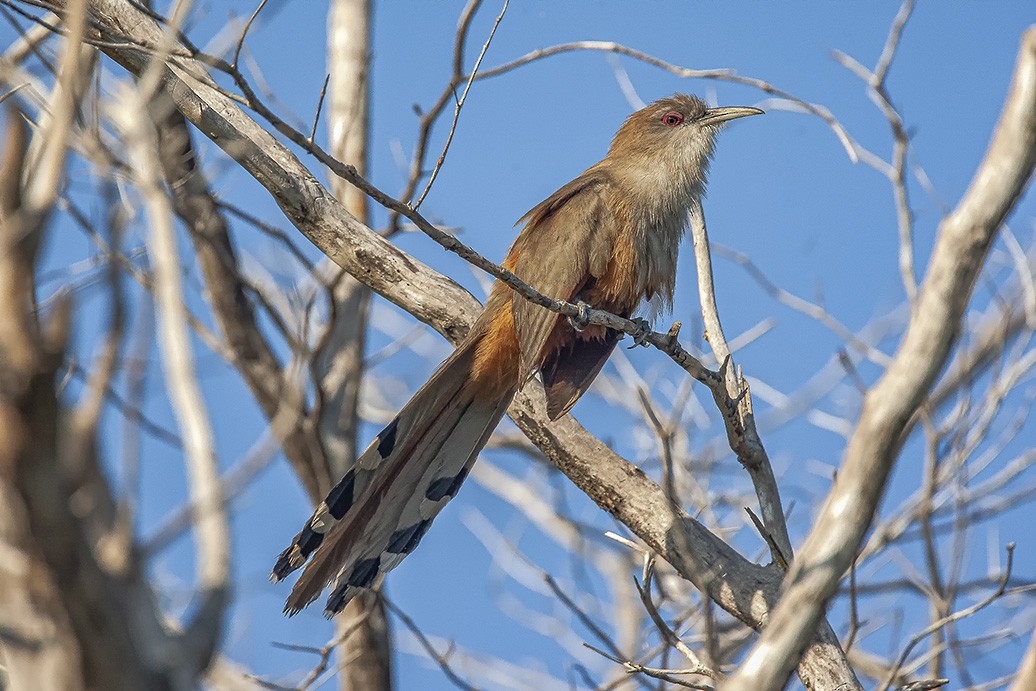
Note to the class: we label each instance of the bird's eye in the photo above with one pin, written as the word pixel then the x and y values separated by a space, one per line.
pixel 672 119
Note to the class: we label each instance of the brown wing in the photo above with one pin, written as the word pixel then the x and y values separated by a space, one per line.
pixel 568 372
pixel 567 243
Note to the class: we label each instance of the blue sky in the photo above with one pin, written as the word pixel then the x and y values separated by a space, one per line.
pixel 782 190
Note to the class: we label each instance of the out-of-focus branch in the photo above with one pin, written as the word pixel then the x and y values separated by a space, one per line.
pixel 47 152
pixel 338 358
pixel 95 594
pixel 963 241
pixel 211 529
pixel 338 361
pixel 250 353
pixel 1026 676
pixel 89 409
pixel 38 648
pixel 98 583
pixel 31 39
pixel 38 644
pixel 944 621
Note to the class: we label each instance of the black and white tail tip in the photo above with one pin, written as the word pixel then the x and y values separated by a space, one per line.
pixel 334 507
pixel 330 511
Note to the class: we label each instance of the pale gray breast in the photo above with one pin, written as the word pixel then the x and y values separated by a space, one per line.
pixel 665 188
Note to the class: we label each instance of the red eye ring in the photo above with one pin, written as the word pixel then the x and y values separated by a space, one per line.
pixel 672 118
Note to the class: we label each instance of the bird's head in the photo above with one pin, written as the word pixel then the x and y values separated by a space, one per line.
pixel 672 138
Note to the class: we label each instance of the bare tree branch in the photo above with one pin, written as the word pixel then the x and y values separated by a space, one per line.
pixel 963 241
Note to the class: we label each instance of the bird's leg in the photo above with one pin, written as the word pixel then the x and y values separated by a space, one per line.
pixel 643 331
pixel 581 320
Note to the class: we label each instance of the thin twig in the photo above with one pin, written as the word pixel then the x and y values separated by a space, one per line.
pixel 429 118
pixel 727 75
pixel 582 616
pixel 896 172
pixel 244 33
pixel 323 653
pixel 668 635
pixel 775 549
pixel 320 105
pixel 457 109
pixel 949 619
pixel 668 675
pixel 429 649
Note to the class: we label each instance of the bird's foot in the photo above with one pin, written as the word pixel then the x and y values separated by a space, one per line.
pixel 581 320
pixel 643 331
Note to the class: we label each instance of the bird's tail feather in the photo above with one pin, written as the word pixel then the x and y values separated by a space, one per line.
pixel 381 509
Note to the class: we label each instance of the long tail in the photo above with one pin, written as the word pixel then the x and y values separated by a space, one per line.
pixel 381 509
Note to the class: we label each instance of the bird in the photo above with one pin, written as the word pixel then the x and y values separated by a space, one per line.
pixel 608 239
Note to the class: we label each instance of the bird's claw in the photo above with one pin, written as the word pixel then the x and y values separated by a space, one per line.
pixel 581 320
pixel 643 331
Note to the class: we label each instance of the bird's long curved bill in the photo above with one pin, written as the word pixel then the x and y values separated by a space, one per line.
pixel 714 116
